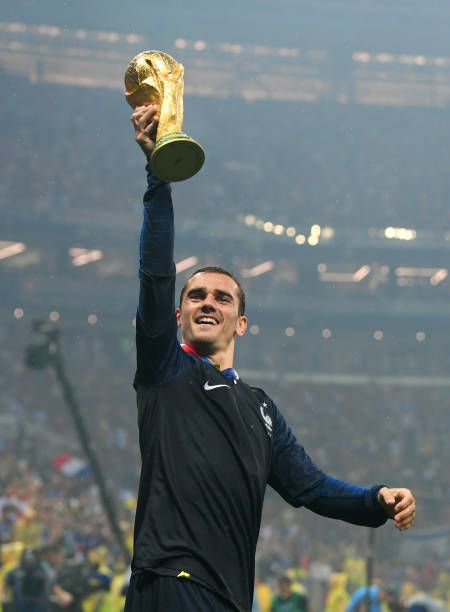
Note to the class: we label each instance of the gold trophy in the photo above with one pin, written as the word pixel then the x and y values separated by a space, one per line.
pixel 154 77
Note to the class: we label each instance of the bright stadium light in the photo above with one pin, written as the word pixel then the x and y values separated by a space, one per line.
pixel 435 275
pixel 199 45
pixel 400 233
pixel 438 277
pixel 18 313
pixel 185 264
pixel 343 277
pixel 261 268
pixel 361 57
pixel 385 58
pixel 9 249
pixel 181 43
pixel 360 274
pixel 81 257
pixel 327 233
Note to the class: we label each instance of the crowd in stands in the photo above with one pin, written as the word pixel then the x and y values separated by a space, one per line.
pixel 344 351
pixel 327 164
pixel 362 433
pixel 345 166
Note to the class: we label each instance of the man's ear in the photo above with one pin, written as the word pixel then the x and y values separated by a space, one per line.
pixel 241 326
pixel 178 315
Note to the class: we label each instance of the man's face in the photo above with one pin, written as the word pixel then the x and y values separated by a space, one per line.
pixel 284 588
pixel 209 314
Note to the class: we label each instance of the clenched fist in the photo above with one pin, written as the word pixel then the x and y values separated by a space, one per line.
pixel 400 505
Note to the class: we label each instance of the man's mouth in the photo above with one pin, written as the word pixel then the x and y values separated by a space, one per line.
pixel 206 320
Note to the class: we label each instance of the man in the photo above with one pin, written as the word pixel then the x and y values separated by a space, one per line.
pixel 422 602
pixel 370 599
pixel 287 600
pixel 209 442
pixel 28 584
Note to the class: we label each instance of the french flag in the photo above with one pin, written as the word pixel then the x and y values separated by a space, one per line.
pixel 71 466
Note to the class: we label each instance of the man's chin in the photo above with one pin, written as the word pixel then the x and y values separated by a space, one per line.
pixel 203 344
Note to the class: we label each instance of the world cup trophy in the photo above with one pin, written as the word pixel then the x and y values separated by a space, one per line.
pixel 154 77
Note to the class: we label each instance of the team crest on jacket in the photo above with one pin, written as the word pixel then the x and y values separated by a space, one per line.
pixel 266 418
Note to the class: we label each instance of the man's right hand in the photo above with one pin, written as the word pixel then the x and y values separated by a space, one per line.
pixel 145 122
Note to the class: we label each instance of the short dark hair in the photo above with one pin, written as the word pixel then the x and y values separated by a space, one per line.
pixel 218 270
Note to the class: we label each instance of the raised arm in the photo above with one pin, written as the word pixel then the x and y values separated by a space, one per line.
pixel 156 330
pixel 301 483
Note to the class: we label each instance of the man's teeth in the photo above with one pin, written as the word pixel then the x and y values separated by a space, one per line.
pixel 206 320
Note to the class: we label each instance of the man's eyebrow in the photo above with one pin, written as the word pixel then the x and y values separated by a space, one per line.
pixel 221 292
pixel 196 290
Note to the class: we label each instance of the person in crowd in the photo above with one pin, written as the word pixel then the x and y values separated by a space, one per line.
pixel 263 593
pixel 73 580
pixel 209 442
pixel 288 600
pixel 338 596
pixel 371 599
pixel 27 585
pixel 422 602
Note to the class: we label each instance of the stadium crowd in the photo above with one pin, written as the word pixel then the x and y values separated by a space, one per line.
pixel 75 161
pixel 348 164
pixel 364 434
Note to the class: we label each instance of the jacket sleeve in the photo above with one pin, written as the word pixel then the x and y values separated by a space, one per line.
pixel 158 350
pixel 300 482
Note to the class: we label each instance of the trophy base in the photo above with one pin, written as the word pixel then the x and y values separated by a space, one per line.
pixel 176 157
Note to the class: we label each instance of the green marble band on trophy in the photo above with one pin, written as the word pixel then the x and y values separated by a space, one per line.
pixel 155 77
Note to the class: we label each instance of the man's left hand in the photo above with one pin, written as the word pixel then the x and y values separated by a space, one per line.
pixel 400 506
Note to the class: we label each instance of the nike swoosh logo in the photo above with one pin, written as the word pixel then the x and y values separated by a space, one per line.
pixel 208 387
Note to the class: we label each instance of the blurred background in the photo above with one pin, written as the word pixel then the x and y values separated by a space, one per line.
pixel 326 126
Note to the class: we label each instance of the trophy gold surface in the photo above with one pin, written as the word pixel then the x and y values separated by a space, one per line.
pixel 154 77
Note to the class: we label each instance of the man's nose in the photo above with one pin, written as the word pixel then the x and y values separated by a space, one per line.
pixel 208 303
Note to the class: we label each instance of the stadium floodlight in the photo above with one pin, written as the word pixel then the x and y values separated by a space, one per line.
pixel 400 233
pixel 360 274
pixel 9 249
pixel 343 277
pixel 185 264
pixel 81 257
pixel 435 275
pixel 181 43
pixel 439 277
pixel 261 268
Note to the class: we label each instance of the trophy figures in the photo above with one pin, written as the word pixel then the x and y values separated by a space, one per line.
pixel 155 77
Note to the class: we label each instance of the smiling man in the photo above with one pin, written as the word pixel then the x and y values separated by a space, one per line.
pixel 210 443
pixel 211 314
